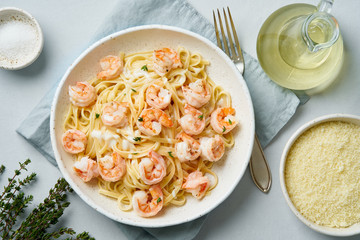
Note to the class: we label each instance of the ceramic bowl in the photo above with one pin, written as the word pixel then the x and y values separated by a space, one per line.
pixel 352 230
pixel 11 15
pixel 221 70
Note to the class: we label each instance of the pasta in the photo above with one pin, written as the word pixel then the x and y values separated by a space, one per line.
pixel 135 96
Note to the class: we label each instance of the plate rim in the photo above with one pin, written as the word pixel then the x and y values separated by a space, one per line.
pixel 57 155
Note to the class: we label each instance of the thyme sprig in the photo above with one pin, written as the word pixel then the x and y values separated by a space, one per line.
pixel 13 202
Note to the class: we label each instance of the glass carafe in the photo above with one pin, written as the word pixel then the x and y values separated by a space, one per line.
pixel 300 47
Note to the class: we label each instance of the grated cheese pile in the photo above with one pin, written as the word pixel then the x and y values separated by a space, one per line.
pixel 322 174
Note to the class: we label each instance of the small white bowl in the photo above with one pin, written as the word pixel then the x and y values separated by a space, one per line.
pixel 11 15
pixel 340 232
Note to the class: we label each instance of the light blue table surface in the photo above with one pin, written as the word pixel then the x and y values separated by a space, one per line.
pixel 247 213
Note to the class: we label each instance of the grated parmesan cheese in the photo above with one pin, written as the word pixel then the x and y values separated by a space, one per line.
pixel 322 174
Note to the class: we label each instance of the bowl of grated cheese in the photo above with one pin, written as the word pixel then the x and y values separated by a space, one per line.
pixel 320 174
pixel 21 38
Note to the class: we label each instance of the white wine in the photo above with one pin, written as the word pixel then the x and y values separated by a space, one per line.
pixel 284 55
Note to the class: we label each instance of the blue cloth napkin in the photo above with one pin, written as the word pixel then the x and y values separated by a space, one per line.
pixel 273 105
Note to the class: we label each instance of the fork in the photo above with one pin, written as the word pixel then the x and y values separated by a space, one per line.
pixel 259 168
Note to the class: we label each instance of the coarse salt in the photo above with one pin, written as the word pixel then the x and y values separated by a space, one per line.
pixel 19 40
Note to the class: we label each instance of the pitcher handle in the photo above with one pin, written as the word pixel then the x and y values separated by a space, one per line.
pixel 325 6
pixel 324 15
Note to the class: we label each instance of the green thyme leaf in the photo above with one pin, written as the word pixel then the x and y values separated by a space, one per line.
pixel 13 202
pixel 201 116
pixel 158 200
pixel 133 90
pixel 144 68
pixel 224 129
pixel 137 139
pixel 230 121
pixel 97 115
pixel 140 119
pixel 170 154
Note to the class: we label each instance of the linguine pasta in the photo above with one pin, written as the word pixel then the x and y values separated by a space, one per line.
pixel 133 145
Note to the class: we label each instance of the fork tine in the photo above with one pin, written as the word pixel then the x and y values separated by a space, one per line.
pixel 235 36
pixel 217 31
pixel 223 34
pixel 233 53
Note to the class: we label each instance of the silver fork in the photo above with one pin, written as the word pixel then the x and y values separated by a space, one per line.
pixel 259 168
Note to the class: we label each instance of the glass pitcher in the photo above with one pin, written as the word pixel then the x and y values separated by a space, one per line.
pixel 300 47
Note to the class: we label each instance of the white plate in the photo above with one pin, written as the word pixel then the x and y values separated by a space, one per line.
pixel 222 71
pixel 341 232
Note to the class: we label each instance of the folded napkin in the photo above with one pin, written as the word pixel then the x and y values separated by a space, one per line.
pixel 273 105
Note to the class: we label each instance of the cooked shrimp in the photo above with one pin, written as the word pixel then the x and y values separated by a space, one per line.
pixel 112 66
pixel 197 93
pixel 112 167
pixel 212 149
pixel 151 119
pixel 74 141
pixel 166 59
pixel 82 94
pixel 153 169
pixel 196 184
pixel 188 149
pixel 193 122
pixel 223 120
pixel 114 114
pixel 86 168
pixel 148 204
pixel 157 96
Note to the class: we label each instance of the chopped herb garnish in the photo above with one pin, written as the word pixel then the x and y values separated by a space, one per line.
pixel 201 116
pixel 170 154
pixel 137 139
pixel 158 200
pixel 230 121
pixel 140 119
pixel 97 115
pixel 135 153
pixel 133 90
pixel 224 129
pixel 144 68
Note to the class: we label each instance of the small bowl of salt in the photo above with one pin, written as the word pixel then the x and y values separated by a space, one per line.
pixel 21 38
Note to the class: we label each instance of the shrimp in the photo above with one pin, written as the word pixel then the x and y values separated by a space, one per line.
pixel 212 149
pixel 196 184
pixel 114 114
pixel 74 141
pixel 166 59
pixel 223 120
pixel 151 119
pixel 82 94
pixel 112 66
pixel 86 168
pixel 148 204
pixel 193 122
pixel 188 149
pixel 158 97
pixel 197 93
pixel 112 167
pixel 153 169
